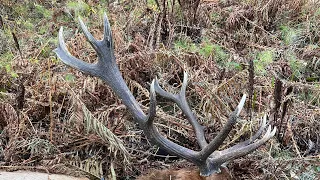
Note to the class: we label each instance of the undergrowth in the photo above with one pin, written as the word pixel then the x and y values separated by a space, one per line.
pixel 43 103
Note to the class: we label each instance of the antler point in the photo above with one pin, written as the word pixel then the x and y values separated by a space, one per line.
pixel 274 131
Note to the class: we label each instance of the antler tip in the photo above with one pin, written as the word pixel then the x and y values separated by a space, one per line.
pixel 105 17
pixel 273 131
pixel 107 28
pixel 152 85
pixel 60 33
pixel 241 104
pixel 268 133
pixel 185 78
pixel 60 41
pixel 244 96
pixel 152 89
pixel 185 73
pixel 264 120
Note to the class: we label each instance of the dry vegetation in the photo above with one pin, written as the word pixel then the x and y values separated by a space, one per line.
pixel 56 119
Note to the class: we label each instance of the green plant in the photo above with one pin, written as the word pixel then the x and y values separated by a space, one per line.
pixel 45 52
pixel 137 12
pixel 215 16
pixel 5 41
pixel 297 66
pixel 79 7
pixel 220 55
pixel 69 77
pixel 317 13
pixel 309 172
pixel 233 65
pixel 5 63
pixel 152 5
pixel 289 35
pixel 283 154
pixel 206 50
pixel 185 44
pixel 42 12
pixel 262 60
pixel 21 10
pixel 27 24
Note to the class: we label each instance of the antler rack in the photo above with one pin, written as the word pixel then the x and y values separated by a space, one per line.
pixel 209 158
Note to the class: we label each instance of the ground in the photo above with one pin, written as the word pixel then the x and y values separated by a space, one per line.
pixel 56 119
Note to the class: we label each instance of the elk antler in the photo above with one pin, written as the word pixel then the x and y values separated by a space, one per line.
pixel 209 159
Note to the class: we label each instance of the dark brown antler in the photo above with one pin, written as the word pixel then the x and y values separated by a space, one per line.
pixel 209 159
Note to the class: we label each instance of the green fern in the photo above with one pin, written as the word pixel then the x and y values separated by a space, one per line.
pixel 79 7
pixel 206 50
pixel 289 35
pixel 5 64
pixel 263 59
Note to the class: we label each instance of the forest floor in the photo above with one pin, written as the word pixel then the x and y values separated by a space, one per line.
pixel 56 119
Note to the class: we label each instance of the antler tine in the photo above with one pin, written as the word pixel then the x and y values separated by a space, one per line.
pixel 150 131
pixel 107 30
pixel 184 84
pixel 105 56
pixel 252 139
pixel 222 135
pixel 180 100
pixel 106 69
pixel 262 127
pixel 63 54
pixel 153 104
pixel 242 151
pixel 89 36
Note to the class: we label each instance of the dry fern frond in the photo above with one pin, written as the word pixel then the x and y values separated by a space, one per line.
pixel 8 118
pixel 41 146
pixel 90 166
pixel 91 125
pixel 221 97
